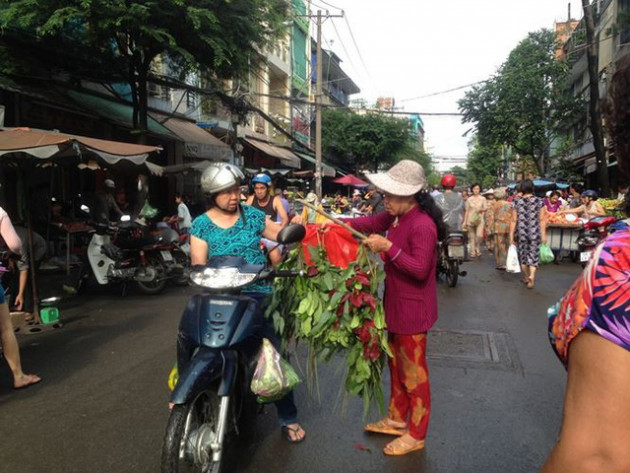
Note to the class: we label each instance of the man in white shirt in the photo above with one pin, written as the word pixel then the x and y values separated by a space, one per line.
pixel 184 220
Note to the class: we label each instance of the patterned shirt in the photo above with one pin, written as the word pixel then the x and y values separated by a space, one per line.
pixel 528 215
pixel 598 301
pixel 241 239
pixel 502 216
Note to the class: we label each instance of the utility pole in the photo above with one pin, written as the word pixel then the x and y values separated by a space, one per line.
pixel 318 110
pixel 319 95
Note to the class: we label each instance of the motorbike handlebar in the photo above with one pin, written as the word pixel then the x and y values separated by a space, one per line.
pixel 287 273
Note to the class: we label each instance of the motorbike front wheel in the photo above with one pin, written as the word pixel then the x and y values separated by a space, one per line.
pixel 190 431
pixel 452 273
pixel 158 282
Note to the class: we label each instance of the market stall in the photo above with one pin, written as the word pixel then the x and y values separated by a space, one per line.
pixel 563 231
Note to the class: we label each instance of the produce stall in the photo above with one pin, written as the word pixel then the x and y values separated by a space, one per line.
pixel 613 207
pixel 563 231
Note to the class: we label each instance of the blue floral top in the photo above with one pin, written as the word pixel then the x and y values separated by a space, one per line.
pixel 241 239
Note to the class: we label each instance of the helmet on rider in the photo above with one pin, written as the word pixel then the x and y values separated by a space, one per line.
pixel 261 178
pixel 219 177
pixel 590 193
pixel 448 181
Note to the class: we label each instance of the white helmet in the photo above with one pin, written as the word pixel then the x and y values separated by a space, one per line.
pixel 219 177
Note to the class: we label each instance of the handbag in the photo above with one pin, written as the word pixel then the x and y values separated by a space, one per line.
pixel 274 377
pixel 512 265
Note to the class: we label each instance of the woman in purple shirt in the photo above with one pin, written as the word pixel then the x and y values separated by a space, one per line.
pixel 414 225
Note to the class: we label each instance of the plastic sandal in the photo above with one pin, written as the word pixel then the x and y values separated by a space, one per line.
pixel 286 430
pixel 382 427
pixel 401 447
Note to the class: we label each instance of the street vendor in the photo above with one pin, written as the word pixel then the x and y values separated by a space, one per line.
pixel 589 206
pixel 414 225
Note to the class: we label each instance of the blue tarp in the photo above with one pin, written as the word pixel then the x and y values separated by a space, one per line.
pixel 543 183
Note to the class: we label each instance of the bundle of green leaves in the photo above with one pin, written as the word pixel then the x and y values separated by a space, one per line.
pixel 335 311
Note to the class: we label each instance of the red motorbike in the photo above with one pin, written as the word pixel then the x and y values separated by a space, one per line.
pixel 592 232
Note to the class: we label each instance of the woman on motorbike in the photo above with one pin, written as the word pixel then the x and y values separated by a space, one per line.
pixel 589 208
pixel 230 228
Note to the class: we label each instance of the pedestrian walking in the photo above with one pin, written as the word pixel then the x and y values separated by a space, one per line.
pixel 589 331
pixel 414 226
pixel 528 230
pixel 10 347
pixel 476 206
pixel 488 234
pixel 502 216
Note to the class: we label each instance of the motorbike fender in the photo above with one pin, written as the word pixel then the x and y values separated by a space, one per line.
pixel 204 368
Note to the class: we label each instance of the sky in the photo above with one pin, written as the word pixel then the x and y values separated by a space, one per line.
pixel 411 48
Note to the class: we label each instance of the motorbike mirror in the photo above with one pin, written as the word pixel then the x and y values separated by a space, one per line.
pixel 291 234
pixel 125 218
pixel 85 208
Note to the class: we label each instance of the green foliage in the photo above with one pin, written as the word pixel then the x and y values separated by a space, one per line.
pixel 485 163
pixel 335 311
pixel 105 40
pixel 461 176
pixel 367 141
pixel 526 104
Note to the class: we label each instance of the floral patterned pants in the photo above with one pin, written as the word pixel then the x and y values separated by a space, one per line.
pixel 410 399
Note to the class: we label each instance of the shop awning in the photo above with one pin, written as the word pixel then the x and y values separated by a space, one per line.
pixel 117 112
pixel 198 143
pixel 44 144
pixel 197 166
pixel 328 170
pixel 283 154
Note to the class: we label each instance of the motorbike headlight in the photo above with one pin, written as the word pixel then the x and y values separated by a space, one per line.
pixel 222 278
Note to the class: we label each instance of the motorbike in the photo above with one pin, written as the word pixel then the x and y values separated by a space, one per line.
pixel 451 255
pixel 127 252
pixel 591 233
pixel 218 339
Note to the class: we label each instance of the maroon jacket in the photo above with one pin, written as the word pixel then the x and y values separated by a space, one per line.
pixel 410 265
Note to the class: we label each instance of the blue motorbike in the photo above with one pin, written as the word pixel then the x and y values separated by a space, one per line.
pixel 218 339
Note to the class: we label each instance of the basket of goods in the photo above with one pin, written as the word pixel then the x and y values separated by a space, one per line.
pixel 613 207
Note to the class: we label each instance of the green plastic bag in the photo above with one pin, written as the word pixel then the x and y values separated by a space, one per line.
pixel 148 211
pixel 546 255
pixel 274 377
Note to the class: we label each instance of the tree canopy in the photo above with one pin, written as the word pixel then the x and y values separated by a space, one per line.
pixel 368 141
pixel 108 40
pixel 526 104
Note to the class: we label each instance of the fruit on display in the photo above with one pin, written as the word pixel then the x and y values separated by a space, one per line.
pixel 560 219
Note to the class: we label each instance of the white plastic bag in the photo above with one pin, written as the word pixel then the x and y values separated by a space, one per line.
pixel 512 265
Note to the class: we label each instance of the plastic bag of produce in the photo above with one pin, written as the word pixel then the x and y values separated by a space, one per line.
pixel 274 377
pixel 512 265
pixel 546 255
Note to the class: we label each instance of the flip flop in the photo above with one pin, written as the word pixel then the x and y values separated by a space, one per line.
pixel 382 427
pixel 401 447
pixel 286 430
pixel 32 379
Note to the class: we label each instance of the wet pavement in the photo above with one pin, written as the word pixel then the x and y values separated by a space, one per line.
pixel 102 407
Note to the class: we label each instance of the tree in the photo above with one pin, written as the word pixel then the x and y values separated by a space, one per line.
pixel 526 104
pixel 369 141
pixel 461 176
pixel 108 40
pixel 594 104
pixel 485 163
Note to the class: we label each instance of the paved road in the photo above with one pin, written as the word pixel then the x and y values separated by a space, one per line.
pixel 497 390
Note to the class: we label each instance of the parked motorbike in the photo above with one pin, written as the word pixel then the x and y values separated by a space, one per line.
pixel 218 339
pixel 127 252
pixel 451 255
pixel 592 232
